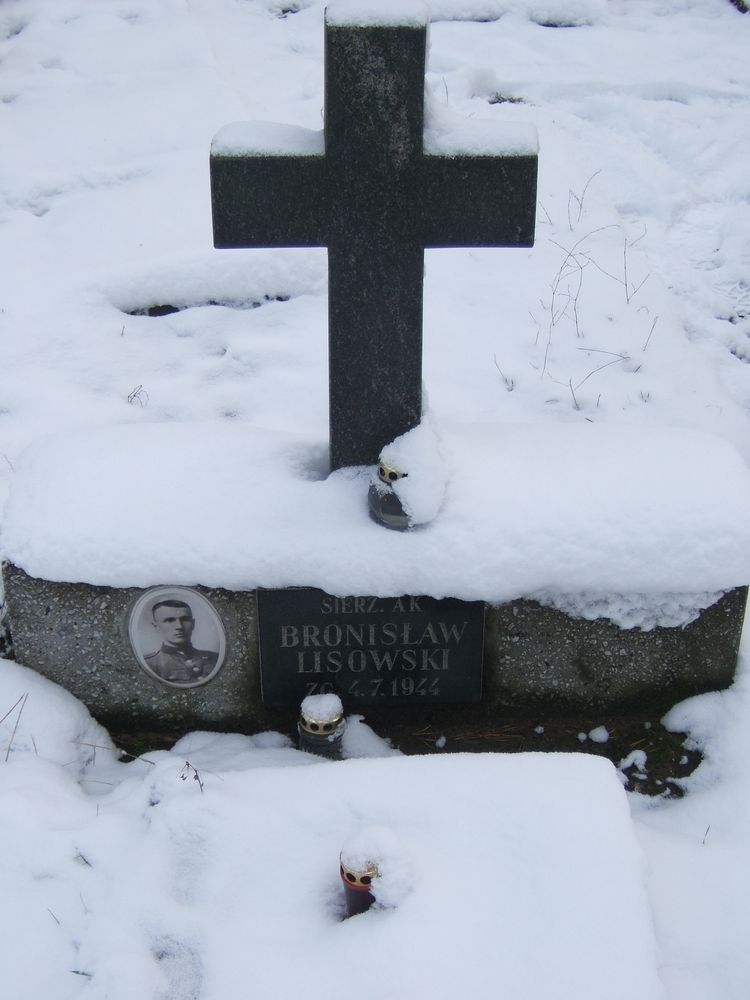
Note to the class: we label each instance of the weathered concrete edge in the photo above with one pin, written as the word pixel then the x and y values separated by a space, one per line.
pixel 536 655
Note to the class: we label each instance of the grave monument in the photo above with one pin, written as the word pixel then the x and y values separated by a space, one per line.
pixel 376 187
pixel 376 191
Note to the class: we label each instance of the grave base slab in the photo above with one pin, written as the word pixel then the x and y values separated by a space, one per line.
pixel 534 657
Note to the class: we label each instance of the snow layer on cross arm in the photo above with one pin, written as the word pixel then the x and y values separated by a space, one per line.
pixel 409 13
pixel 446 134
pixel 267 139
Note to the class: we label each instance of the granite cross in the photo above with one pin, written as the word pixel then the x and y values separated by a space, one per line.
pixel 376 190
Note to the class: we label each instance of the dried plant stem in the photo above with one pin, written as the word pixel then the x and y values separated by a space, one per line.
pixel 572 196
pixel 601 368
pixel 15 727
pixel 10 710
pixel 189 770
pixel 510 383
pixel 650 332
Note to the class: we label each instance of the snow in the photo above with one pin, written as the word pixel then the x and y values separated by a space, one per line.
pixel 267 138
pixel 55 727
pixel 417 453
pixel 411 13
pixel 380 848
pixel 561 13
pixel 448 134
pixel 359 740
pixel 228 394
pixel 628 318
pixel 197 870
pixel 529 510
pixel 322 707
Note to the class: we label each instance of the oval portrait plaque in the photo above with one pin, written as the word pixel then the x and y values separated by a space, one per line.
pixel 177 636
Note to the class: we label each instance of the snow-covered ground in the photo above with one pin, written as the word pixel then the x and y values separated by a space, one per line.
pixel 213 871
pixel 630 317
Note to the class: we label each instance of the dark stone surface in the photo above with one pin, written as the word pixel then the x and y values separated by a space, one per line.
pixel 535 659
pixel 375 200
pixel 368 650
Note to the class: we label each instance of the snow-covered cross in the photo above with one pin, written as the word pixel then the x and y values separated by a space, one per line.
pixel 376 188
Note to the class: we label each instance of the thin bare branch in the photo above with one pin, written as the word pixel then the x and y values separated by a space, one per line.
pixel 572 393
pixel 650 332
pixel 189 770
pixel 606 364
pixel 15 727
pixel 510 383
pixel 603 270
pixel 637 288
pixel 585 189
pixel 600 350
pixel 549 220
pixel 11 709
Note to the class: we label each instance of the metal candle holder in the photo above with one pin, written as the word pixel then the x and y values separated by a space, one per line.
pixel 321 736
pixel 358 887
pixel 385 506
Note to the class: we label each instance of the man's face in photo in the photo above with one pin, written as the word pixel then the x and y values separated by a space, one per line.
pixel 174 624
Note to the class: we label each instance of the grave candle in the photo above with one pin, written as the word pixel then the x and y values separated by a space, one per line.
pixel 321 725
pixel 357 886
pixel 385 506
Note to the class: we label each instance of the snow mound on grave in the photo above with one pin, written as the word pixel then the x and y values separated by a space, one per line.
pixel 133 889
pixel 563 13
pixel 590 510
pixel 360 740
pixel 550 13
pixel 195 279
pixel 467 10
pixel 237 752
pixel 41 719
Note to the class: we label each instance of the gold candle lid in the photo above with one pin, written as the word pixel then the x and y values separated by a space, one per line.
pixel 320 727
pixel 389 473
pixel 321 714
pixel 358 878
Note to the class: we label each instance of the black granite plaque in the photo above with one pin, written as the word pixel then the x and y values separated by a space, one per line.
pixel 368 650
